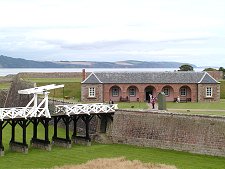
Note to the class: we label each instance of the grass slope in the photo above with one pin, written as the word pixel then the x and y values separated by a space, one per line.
pixel 5 85
pixel 72 87
pixel 81 154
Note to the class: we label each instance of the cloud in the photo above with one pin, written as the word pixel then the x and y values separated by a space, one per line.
pixel 174 30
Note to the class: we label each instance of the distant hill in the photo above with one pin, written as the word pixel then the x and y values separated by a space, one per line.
pixel 9 62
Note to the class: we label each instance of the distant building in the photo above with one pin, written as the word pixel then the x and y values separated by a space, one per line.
pixel 138 86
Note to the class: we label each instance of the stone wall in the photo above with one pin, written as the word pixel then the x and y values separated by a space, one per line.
pixel 98 93
pixel 202 93
pixel 14 99
pixel 3 95
pixel 196 134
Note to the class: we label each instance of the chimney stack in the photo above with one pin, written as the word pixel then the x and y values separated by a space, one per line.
pixel 83 74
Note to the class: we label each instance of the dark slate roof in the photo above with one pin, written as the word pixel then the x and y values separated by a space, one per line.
pixel 92 78
pixel 150 77
pixel 208 79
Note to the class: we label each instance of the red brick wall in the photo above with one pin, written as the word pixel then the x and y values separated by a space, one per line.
pixel 157 88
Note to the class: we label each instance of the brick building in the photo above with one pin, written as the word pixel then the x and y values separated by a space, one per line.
pixel 134 86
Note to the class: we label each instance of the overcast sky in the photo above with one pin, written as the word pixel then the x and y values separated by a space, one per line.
pixel 191 31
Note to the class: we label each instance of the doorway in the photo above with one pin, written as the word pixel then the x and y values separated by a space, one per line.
pixel 148 92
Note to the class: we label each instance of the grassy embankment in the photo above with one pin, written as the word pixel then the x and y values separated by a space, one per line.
pixel 5 85
pixel 72 89
pixel 222 89
pixel 37 158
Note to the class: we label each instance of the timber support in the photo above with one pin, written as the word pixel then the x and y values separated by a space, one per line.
pixel 85 140
pixel 41 143
pixel 64 142
pixel 19 146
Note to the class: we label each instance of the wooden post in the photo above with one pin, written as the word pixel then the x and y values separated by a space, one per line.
pixel 24 126
pixel 75 119
pixel 35 126
pixel 67 124
pixel 46 130
pixel 55 127
pixel 13 131
pixel 1 145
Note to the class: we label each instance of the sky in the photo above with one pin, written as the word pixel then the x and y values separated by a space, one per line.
pixel 188 31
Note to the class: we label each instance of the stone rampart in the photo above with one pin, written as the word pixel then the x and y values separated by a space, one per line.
pixel 51 74
pixel 3 95
pixel 14 99
pixel 192 133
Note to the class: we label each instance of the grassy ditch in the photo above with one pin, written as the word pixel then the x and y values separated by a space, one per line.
pixel 78 154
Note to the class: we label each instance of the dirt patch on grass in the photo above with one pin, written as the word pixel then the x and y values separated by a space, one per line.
pixel 116 163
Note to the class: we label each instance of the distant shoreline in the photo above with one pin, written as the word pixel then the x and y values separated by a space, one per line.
pixel 13 71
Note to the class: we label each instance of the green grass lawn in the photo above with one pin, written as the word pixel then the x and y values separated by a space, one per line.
pixel 200 105
pixel 222 89
pixel 37 158
pixel 132 105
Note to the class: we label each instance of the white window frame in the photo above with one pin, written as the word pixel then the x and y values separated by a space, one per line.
pixel 115 91
pixel 209 92
pixel 184 92
pixel 132 91
pixel 168 91
pixel 91 92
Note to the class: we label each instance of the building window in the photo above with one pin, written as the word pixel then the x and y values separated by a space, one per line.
pixel 115 91
pixel 183 92
pixel 208 91
pixel 132 92
pixel 91 92
pixel 166 91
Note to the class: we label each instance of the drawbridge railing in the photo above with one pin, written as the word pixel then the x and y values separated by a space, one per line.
pixel 94 108
pixel 35 109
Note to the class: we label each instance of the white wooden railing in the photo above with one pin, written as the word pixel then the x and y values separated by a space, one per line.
pixel 95 108
pixel 35 109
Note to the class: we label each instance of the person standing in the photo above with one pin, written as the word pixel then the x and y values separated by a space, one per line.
pixel 178 99
pixel 153 100
pixel 111 101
